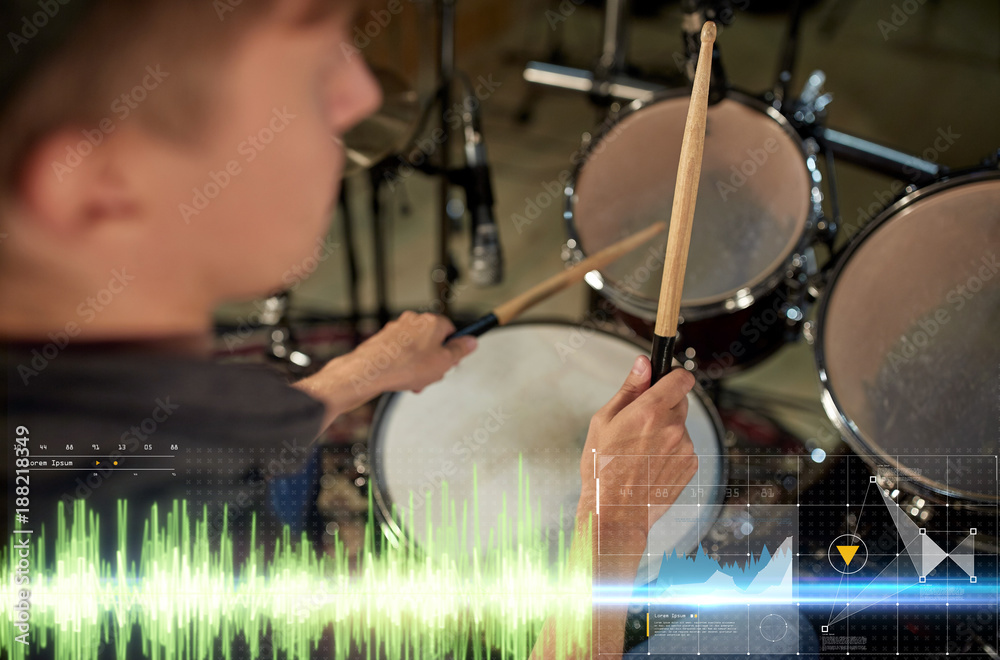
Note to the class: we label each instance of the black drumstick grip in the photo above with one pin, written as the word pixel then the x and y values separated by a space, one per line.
pixel 662 357
pixel 476 328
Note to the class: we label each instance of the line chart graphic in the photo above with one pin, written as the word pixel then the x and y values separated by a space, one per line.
pixel 700 604
pixel 904 574
pixel 924 552
pixel 918 557
pixel 765 578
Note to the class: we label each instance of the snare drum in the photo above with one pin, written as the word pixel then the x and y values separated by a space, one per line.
pixel 906 341
pixel 527 392
pixel 758 203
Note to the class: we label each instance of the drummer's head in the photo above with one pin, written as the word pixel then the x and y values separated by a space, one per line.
pixel 190 143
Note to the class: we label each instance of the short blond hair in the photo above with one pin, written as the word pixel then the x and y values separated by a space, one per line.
pixel 104 71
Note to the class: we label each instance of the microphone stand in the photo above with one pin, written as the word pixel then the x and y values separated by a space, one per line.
pixel 444 273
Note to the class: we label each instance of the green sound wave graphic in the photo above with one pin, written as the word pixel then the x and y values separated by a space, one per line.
pixel 186 598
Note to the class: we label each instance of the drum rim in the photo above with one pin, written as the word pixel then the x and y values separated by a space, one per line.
pixel 865 447
pixel 391 527
pixel 745 296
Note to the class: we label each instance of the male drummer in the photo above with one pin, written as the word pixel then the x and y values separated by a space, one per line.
pixel 160 157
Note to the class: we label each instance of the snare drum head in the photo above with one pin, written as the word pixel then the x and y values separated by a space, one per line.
pixel 528 390
pixel 752 208
pixel 908 348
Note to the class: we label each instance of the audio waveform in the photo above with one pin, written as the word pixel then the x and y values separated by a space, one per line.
pixel 184 597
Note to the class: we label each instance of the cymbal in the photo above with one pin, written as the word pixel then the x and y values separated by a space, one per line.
pixel 389 130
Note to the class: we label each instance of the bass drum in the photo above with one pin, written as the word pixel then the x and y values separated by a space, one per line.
pixel 527 393
pixel 906 342
pixel 758 203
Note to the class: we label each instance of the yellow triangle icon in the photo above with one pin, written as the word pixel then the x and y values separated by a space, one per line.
pixel 847 552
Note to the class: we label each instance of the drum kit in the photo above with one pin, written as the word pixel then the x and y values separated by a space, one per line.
pixel 901 315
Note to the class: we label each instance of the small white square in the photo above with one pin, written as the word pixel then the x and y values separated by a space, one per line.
pixel 923 579
pixel 972 579
pixel 871 479
pixel 972 532
pixel 824 629
pixel 922 531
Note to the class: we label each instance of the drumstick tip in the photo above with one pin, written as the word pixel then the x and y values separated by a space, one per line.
pixel 708 32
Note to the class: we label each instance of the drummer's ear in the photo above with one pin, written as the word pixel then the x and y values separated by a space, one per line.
pixel 66 203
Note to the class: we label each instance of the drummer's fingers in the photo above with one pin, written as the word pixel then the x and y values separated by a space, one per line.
pixel 671 390
pixel 441 326
pixel 635 384
pixel 436 325
pixel 460 347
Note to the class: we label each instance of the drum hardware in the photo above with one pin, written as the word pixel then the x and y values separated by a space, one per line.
pixel 880 158
pixel 342 500
pixel 808 115
pixel 580 80
pixel 608 80
pixel 282 344
pixel 571 254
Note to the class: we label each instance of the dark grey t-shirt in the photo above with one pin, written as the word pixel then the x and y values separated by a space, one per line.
pixel 167 427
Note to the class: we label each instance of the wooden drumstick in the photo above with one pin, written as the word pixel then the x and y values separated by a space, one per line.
pixel 508 311
pixel 682 212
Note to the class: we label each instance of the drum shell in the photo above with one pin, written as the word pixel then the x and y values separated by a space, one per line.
pixel 725 345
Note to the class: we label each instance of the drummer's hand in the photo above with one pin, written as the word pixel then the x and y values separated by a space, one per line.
pixel 404 355
pixel 642 430
pixel 408 353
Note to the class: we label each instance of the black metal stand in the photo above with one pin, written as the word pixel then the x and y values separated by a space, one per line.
pixel 353 275
pixel 378 245
pixel 444 273
pixel 789 53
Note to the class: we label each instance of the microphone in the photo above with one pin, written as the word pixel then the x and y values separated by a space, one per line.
pixel 692 18
pixel 486 268
pixel 694 14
